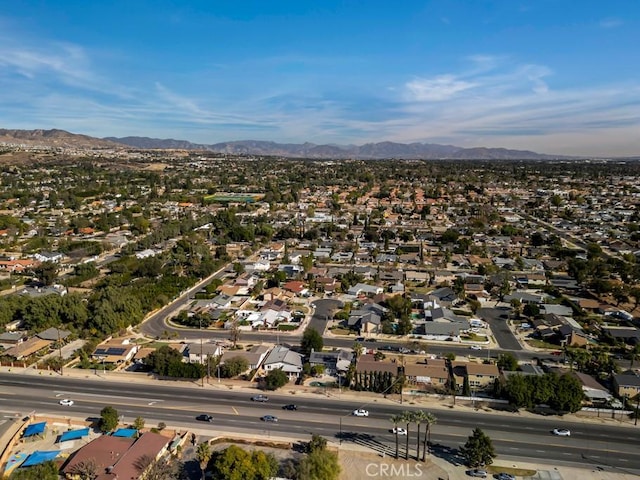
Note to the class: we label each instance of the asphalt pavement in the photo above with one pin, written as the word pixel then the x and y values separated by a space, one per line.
pixel 599 443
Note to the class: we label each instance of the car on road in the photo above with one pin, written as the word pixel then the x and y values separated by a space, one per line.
pixel 505 476
pixel 65 402
pixel 290 406
pixel 269 418
pixel 360 339
pixel 204 418
pixel 475 347
pixel 360 413
pixel 398 431
pixel 260 398
pixel 477 473
pixel 561 432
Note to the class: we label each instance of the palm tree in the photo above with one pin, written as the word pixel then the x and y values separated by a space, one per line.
pixel 396 419
pixel 418 418
pixel 203 455
pixel 407 418
pixel 429 419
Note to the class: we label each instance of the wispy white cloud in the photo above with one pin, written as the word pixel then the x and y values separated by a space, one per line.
pixel 610 22
pixel 436 89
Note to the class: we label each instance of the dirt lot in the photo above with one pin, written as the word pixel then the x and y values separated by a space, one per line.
pixel 363 465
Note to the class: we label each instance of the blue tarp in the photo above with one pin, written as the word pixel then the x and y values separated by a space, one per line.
pixel 125 432
pixel 38 457
pixel 74 434
pixel 35 429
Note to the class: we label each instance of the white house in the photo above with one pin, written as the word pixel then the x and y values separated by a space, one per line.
pixel 281 357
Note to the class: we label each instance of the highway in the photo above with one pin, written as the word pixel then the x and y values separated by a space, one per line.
pixel 514 436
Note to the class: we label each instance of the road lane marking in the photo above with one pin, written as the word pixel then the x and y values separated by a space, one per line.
pixel 235 411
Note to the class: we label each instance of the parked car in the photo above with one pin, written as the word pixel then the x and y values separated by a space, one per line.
pixel 290 406
pixel 398 431
pixel 360 413
pixel 260 398
pixel 269 418
pixel 477 473
pixel 561 432
pixel 204 418
pixel 66 402
pixel 505 476
pixel 475 347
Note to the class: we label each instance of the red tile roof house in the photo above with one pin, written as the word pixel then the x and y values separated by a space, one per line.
pixel 118 458
pixel 296 287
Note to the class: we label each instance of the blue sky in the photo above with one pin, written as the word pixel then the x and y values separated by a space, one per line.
pixel 553 76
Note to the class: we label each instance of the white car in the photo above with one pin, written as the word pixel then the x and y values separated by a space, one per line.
pixel 398 431
pixel 562 432
pixel 360 413
pixel 66 402
pixel 475 347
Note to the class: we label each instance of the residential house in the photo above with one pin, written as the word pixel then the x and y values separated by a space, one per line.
pixel 54 334
pixel 626 385
pixel 254 357
pixel 333 362
pixel 365 289
pixel 281 357
pixel 117 457
pixel 481 376
pixel 430 376
pixel 200 352
pixel 594 392
pixel 27 348
pixel 115 350
pixel 54 257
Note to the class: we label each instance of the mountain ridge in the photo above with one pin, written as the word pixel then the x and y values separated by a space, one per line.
pixel 367 151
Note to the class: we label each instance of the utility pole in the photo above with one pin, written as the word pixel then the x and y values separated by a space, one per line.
pixel 201 357
pixel 60 351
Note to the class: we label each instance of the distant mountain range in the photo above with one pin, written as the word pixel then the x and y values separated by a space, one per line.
pixel 381 150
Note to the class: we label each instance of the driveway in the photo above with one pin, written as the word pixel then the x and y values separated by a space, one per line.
pixel 324 309
pixel 497 319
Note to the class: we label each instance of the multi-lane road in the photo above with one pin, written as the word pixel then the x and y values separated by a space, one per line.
pixel 514 436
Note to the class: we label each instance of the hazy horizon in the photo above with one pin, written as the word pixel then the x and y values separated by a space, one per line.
pixel 553 77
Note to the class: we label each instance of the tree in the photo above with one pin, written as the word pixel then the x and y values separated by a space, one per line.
pixel 108 419
pixel 317 442
pixel 507 361
pixel 407 419
pixel 46 272
pixel 357 348
pixel 429 419
pixel 160 360
pixel 478 451
pixel 44 471
pixel 85 470
pixel 311 341
pixel 396 419
pixel 235 463
pixel 275 379
pixel 203 455
pixel 319 465
pixel 138 424
pixel 162 469
pixel 234 367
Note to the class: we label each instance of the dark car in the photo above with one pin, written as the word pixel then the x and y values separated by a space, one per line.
pixel 269 418
pixel 291 406
pixel 204 418
pixel 260 398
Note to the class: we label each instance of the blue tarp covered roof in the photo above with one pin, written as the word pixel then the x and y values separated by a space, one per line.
pixel 74 434
pixel 125 432
pixel 35 429
pixel 38 457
